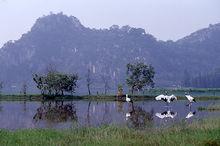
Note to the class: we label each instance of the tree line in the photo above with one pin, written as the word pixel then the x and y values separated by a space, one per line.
pixel 139 75
pixel 202 80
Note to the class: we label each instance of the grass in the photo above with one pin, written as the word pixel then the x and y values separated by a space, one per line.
pixel 205 132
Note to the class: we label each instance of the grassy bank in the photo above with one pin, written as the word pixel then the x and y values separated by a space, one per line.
pixel 199 94
pixel 198 133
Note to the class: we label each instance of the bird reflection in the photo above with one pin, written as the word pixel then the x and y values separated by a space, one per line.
pixel 127 115
pixel 166 114
pixel 56 112
pixel 190 114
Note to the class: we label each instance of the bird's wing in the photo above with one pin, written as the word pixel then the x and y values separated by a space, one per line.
pixel 190 114
pixel 159 115
pixel 164 113
pixel 128 115
pixel 128 99
pixel 189 97
pixel 173 97
pixel 173 114
pixel 159 97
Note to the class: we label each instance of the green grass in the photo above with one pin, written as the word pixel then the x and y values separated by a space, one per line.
pixel 205 132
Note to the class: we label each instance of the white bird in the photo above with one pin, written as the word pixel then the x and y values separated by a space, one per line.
pixel 127 116
pixel 127 99
pixel 166 114
pixel 190 114
pixel 190 98
pixel 166 98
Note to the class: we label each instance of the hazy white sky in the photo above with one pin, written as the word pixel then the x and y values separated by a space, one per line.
pixel 165 19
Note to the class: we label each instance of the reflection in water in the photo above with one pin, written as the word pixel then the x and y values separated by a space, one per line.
pixel 56 112
pixel 88 114
pixel 190 114
pixel 139 118
pixel 0 108
pixel 139 115
pixel 166 114
pixel 24 105
pixel 119 106
pixel 106 114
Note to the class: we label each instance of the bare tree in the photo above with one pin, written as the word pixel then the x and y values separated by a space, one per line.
pixel 1 86
pixel 105 79
pixel 24 89
pixel 88 81
pixel 51 68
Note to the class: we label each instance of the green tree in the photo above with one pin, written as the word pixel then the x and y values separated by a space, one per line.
pixel 139 75
pixel 55 83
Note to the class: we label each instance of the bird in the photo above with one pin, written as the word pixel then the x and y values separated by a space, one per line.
pixel 127 99
pixel 190 114
pixel 127 115
pixel 166 114
pixel 190 98
pixel 166 98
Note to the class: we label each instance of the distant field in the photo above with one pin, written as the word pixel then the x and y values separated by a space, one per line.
pixel 205 132
pixel 200 93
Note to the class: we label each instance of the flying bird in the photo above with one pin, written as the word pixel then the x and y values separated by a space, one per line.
pixel 166 98
pixel 190 98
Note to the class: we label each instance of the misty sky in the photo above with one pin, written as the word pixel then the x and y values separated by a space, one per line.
pixel 165 19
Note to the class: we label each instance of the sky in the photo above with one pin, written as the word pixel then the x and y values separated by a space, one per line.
pixel 165 19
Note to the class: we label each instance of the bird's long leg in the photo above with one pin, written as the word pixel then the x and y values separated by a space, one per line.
pixel 167 104
pixel 190 106
pixel 132 106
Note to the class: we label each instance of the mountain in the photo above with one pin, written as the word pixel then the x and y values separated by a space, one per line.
pixel 63 42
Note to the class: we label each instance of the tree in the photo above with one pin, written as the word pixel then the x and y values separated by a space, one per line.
pixel 55 83
pixel 139 75
pixel 1 86
pixel 40 80
pixel 24 88
pixel 88 81
pixel 120 91
pixel 186 78
pixel 105 79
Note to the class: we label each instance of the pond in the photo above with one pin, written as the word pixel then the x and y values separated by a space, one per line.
pixel 82 113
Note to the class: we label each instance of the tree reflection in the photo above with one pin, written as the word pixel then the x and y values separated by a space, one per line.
pixel 106 114
pixel 0 107
pixel 88 114
pixel 139 118
pixel 119 106
pixel 56 112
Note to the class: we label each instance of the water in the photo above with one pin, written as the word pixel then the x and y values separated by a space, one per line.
pixel 69 114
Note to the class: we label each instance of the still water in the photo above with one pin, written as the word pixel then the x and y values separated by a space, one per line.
pixel 80 113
